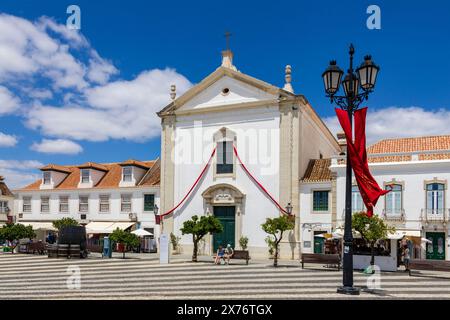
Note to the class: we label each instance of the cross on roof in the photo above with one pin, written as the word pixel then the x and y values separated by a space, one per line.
pixel 227 36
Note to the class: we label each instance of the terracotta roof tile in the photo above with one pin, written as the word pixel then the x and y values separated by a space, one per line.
pixel 400 145
pixel 4 190
pixel 153 176
pixel 56 167
pixel 93 165
pixel 137 163
pixel 111 179
pixel 318 170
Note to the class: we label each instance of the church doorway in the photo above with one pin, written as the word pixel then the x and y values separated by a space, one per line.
pixel 227 217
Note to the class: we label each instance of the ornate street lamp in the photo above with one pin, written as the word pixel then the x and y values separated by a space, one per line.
pixel 289 208
pixel 155 212
pixel 364 78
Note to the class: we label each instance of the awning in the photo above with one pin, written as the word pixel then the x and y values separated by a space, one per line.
pixel 408 233
pixel 39 225
pixel 103 227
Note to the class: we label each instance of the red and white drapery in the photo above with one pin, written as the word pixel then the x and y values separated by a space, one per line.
pixel 252 177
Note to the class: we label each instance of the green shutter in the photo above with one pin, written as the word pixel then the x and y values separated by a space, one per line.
pixel 149 202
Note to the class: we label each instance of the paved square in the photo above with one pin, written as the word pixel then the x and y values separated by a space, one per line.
pixel 38 277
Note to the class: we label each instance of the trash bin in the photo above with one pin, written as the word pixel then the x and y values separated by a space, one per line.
pixel 107 250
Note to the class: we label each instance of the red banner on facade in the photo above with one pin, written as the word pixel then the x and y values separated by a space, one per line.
pixel 368 187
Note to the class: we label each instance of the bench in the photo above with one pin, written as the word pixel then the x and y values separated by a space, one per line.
pixel 36 247
pixel 430 265
pixel 328 259
pixel 238 255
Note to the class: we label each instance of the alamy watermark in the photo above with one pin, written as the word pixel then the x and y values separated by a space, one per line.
pixel 73 281
pixel 374 20
pixel 73 22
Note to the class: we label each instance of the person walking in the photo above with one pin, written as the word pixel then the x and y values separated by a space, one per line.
pixel 406 257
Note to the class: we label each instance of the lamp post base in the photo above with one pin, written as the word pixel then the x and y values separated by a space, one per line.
pixel 349 290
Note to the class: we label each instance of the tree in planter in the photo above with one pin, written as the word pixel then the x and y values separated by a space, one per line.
pixel 276 227
pixel 16 231
pixel 64 222
pixel 199 228
pixel 126 239
pixel 243 242
pixel 371 229
pixel 175 241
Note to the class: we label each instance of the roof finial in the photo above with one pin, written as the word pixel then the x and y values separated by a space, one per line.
pixel 288 79
pixel 227 55
pixel 173 92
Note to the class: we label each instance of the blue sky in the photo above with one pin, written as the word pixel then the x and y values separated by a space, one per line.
pixel 127 51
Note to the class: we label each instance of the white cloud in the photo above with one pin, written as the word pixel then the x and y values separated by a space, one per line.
pixel 7 140
pixel 57 146
pixel 45 60
pixel 8 102
pixel 398 122
pixel 117 110
pixel 19 173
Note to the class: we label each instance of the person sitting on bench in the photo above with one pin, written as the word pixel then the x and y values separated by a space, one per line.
pixel 229 253
pixel 220 255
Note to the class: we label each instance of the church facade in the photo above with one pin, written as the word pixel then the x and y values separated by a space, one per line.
pixel 223 135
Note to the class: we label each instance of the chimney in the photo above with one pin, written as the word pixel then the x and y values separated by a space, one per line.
pixel 288 79
pixel 227 60
pixel 342 143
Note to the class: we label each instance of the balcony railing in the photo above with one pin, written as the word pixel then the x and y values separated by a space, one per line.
pixel 394 214
pixel 434 215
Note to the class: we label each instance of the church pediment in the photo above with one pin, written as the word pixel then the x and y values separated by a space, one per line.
pixel 224 87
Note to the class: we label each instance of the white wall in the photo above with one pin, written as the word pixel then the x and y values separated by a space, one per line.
pixel 252 122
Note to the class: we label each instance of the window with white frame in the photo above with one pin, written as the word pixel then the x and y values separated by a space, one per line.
pixel 63 204
pixel 127 174
pixel 26 204
pixel 394 199
pixel 125 205
pixel 3 206
pixel 45 204
pixel 435 198
pixel 104 203
pixel 85 176
pixel 46 177
pixel 357 202
pixel 83 205
pixel 149 202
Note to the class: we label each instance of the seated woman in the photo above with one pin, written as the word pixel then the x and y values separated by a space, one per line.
pixel 220 254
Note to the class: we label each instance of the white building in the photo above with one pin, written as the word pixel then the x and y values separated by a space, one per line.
pixel 417 170
pixel 102 196
pixel 275 133
pixel 6 203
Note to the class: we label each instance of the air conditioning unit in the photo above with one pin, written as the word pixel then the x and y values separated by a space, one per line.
pixel 20 215
pixel 83 216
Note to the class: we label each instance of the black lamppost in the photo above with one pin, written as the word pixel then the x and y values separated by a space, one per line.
pixel 364 78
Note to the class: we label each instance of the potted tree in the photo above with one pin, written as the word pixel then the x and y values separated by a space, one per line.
pixel 275 227
pixel 124 240
pixel 175 241
pixel 371 229
pixel 199 228
pixel 13 232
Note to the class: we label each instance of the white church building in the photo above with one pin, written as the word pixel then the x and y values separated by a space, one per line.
pixel 275 132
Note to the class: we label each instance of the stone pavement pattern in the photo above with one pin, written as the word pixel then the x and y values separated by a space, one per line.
pixel 38 277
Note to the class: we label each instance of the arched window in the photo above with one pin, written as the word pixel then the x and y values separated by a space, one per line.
pixel 435 198
pixel 394 199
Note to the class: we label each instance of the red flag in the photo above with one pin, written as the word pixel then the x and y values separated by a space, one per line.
pixel 368 187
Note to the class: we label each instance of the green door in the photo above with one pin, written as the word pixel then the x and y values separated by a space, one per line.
pixel 226 215
pixel 436 249
pixel 318 244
